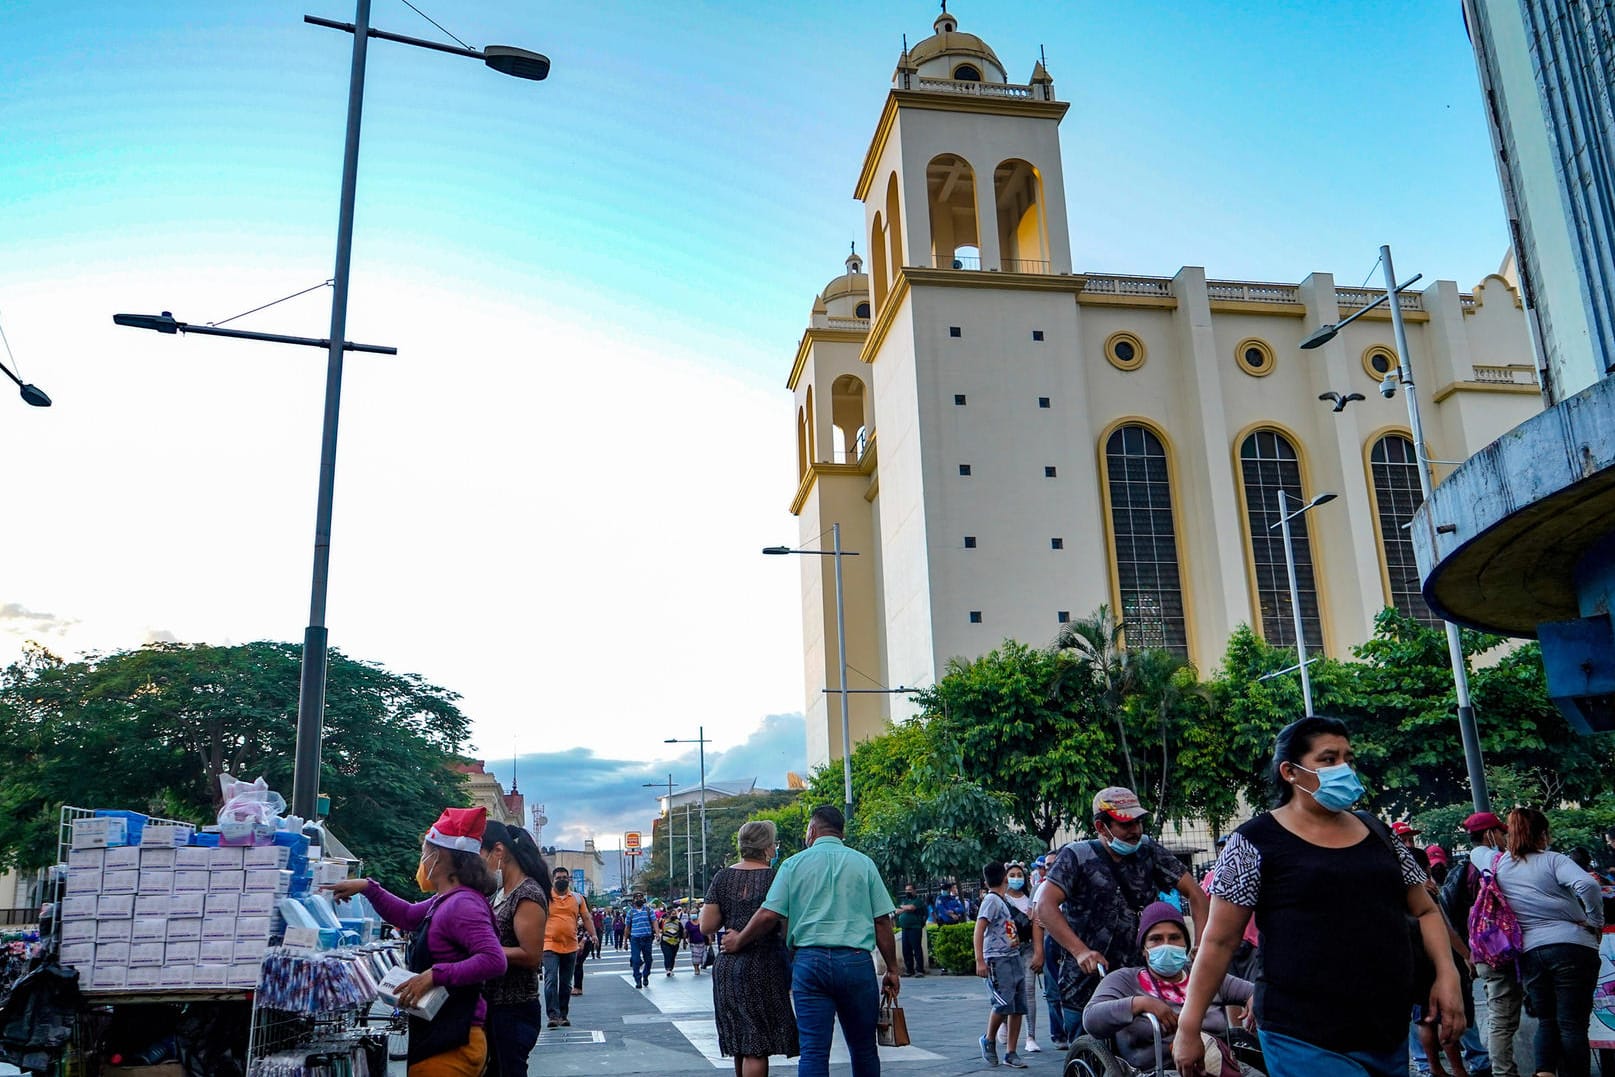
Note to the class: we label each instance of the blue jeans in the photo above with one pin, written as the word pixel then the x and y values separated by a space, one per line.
pixel 1559 981
pixel 1051 989
pixel 1286 1056
pixel 830 983
pixel 512 1031
pixel 639 957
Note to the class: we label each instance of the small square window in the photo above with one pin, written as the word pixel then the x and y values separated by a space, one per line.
pixel 959 400
pixel 1056 543
pixel 970 542
pixel 955 331
pixel 964 469
pixel 1063 616
pixel 975 617
pixel 1048 473
pixel 1043 402
pixel 1037 334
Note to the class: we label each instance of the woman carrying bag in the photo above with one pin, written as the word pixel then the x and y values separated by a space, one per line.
pixel 455 944
pixel 672 940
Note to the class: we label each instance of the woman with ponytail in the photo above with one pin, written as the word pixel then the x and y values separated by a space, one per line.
pixel 515 1007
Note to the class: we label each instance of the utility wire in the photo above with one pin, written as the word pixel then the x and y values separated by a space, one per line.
pixel 1371 272
pixel 434 22
pixel 15 369
pixel 273 302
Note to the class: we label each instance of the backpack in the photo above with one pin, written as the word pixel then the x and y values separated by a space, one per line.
pixel 1495 938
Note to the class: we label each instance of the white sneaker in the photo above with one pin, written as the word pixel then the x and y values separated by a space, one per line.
pixel 1003 1035
pixel 1031 1047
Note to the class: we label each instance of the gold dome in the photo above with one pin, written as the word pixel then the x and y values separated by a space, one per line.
pixel 952 44
pixel 847 284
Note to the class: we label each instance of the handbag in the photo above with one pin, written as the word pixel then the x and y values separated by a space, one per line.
pixel 891 1027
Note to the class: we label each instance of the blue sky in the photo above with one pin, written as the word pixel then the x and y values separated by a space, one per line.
pixel 552 499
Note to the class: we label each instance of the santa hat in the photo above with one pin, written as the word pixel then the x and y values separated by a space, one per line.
pixel 459 828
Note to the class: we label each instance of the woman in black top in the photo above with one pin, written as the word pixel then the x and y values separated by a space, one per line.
pixel 515 1008
pixel 1331 897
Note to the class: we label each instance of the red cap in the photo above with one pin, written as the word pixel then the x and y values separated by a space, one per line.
pixel 1482 821
pixel 1436 853
pixel 1402 830
pixel 459 828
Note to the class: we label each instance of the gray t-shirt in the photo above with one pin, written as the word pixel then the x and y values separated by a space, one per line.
pixel 1555 901
pixel 999 940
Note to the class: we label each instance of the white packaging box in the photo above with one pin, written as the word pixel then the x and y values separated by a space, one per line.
pixel 185 929
pixel 167 834
pixel 227 880
pixel 191 881
pixel 147 929
pixel 79 907
pixel 78 931
pixel 79 955
pixel 219 927
pixel 252 927
pixel 151 906
pixel 226 858
pixel 111 953
pixel 330 872
pixel 179 975
pixel 259 903
pixel 193 857
pixel 113 930
pixel 115 906
pixel 126 858
pixel 120 882
pixel 147 953
pixel 156 881
pixel 109 977
pixel 183 953
pixel 243 975
pixel 99 832
pixel 250 950
pixel 268 856
pixel 144 978
pixel 189 904
pixel 211 975
pixel 214 952
pixel 86 860
pixel 268 881
pixel 153 858
pixel 83 882
pixel 223 904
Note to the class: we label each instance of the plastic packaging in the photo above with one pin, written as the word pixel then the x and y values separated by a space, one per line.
pixel 251 812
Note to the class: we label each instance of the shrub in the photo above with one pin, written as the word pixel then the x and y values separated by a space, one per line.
pixel 953 947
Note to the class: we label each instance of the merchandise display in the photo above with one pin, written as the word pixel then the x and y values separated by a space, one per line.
pixel 298 981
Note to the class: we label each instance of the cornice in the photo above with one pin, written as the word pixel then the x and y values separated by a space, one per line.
pixel 818 336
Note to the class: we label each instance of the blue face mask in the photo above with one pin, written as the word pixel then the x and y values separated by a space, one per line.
pixel 1168 960
pixel 1016 882
pixel 1338 786
pixel 1125 848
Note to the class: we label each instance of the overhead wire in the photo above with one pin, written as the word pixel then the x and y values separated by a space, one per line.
pixel 434 22
pixel 311 288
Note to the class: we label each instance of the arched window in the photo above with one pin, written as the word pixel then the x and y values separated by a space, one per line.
pixel 894 229
pixel 1022 240
pixel 1395 471
pixel 862 311
pixel 877 258
pixel 847 418
pixel 967 73
pixel 812 429
pixel 1268 464
pixel 1143 532
pixel 801 445
pixel 950 185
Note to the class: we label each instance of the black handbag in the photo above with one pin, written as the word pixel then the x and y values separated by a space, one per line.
pixel 451 1028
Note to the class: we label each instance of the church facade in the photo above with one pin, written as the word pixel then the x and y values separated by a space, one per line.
pixel 1007 443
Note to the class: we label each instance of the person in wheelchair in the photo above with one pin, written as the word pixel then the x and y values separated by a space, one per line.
pixel 1123 998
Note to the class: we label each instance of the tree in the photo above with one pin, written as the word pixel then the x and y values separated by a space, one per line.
pixel 150 730
pixel 1097 642
pixel 951 831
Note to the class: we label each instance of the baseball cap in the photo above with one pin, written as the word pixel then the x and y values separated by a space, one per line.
pixel 1437 854
pixel 1482 821
pixel 1119 803
pixel 1401 829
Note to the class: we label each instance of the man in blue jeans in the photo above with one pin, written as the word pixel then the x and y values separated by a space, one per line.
pixel 837 910
pixel 641 927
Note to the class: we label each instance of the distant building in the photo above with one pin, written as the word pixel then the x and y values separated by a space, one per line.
pixel 486 792
pixel 586 864
pixel 715 791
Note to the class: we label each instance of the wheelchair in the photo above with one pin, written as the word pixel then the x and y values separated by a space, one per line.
pixel 1090 1056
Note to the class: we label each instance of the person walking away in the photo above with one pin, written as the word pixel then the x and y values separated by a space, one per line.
pixel 1488 836
pixel 948 908
pixel 998 960
pixel 751 990
pixel 672 939
pixel 1095 892
pixel 1561 915
pixel 640 923
pixel 454 944
pixel 561 947
pixel 837 910
pixel 697 941
pixel 1030 946
pixel 515 1007
pixel 911 915
pixel 1332 896
pixel 1051 961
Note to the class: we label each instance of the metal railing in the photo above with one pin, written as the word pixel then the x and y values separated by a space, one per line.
pixel 972 88
pixel 1025 265
pixel 14 917
pixel 956 261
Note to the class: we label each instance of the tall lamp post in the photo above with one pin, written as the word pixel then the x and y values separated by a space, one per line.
pixel 518 63
pixel 701 739
pixel 1468 731
pixel 658 785
pixel 841 644
pixel 1295 590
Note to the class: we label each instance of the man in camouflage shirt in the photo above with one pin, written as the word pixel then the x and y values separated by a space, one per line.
pixel 1095 891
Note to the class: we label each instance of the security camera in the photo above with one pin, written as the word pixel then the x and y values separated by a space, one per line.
pixel 1387 387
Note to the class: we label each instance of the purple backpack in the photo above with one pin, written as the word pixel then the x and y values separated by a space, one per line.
pixel 1494 930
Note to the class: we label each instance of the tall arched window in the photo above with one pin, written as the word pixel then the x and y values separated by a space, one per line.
pixel 894 229
pixel 1395 471
pixel 1268 464
pixel 877 258
pixel 950 184
pixel 1145 538
pixel 1022 239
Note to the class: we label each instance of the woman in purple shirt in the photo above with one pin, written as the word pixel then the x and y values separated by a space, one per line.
pixel 455 944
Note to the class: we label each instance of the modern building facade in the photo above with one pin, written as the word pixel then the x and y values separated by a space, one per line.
pixel 1008 444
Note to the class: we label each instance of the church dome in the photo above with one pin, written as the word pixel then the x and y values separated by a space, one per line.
pixel 950 54
pixel 847 295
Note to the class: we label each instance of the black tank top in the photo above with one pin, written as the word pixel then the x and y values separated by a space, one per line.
pixel 1336 966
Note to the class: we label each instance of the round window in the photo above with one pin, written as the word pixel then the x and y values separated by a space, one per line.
pixel 1255 357
pixel 966 73
pixel 1124 351
pixel 1379 362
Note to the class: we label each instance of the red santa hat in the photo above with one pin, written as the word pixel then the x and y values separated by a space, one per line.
pixel 459 828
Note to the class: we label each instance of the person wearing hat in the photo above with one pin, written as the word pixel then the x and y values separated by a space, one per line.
pixel 1096 890
pixel 1158 987
pixel 1488 836
pixel 455 943
pixel 1406 833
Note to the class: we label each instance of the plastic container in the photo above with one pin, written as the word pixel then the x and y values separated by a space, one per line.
pixel 134 822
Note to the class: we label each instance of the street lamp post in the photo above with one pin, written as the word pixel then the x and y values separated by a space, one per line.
pixel 1474 763
pixel 689 856
pixel 658 785
pixel 841 645
pixel 701 739
pixel 1295 590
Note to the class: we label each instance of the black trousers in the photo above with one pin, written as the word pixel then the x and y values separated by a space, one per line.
pixel 913 950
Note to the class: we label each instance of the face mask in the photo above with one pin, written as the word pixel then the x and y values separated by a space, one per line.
pixel 639 904
pixel 773 861
pixel 1168 960
pixel 1338 786
pixel 562 885
pixel 1125 848
pixel 1017 883
pixel 423 876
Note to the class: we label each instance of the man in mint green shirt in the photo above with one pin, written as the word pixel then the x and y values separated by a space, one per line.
pixel 836 910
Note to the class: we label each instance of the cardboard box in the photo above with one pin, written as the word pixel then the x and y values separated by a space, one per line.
pixel 184 930
pixel 189 904
pixel 121 859
pixel 83 882
pixel 222 904
pixel 120 882
pixel 191 881
pixel 211 975
pixel 112 930
pixel 109 977
pixel 229 879
pixel 184 953
pixel 147 953
pixel 86 859
pixel 111 953
pixel 147 929
pixel 194 857
pixel 252 927
pixel 213 952
pixel 152 906
pixel 218 927
pixel 274 857
pixel 182 974
pixel 144 978
pixel 167 834
pixel 155 881
pixel 99 833
pixel 115 907
pixel 259 903
pixel 226 858
pixel 79 907
pixel 157 859
pixel 268 881
pixel 253 950
pixel 243 974
pixel 79 955
pixel 78 931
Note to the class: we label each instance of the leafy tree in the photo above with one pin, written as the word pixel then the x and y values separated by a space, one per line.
pixel 724 819
pixel 952 831
pixel 150 730
pixel 1103 660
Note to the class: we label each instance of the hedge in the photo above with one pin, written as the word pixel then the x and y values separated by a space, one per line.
pixel 953 947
